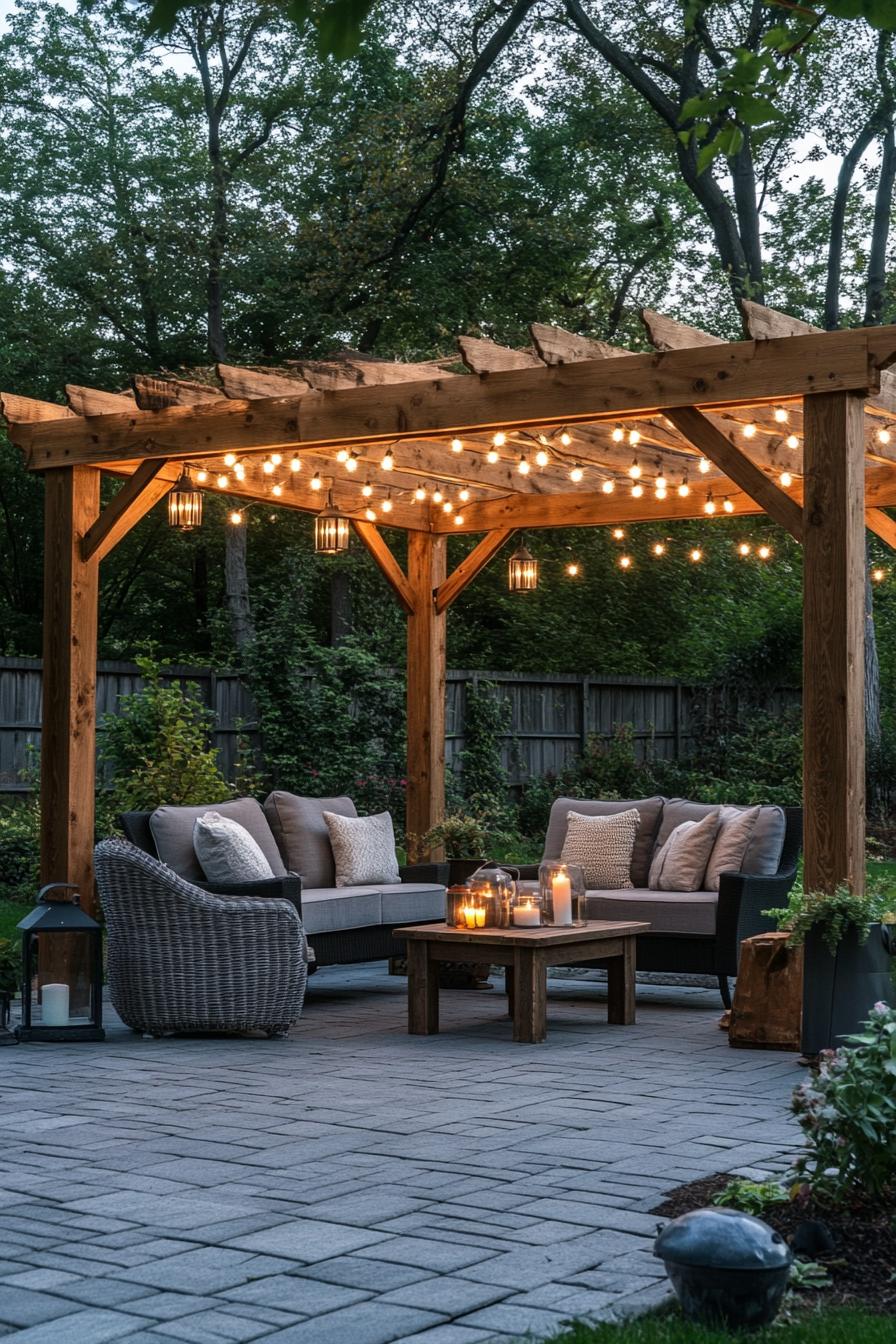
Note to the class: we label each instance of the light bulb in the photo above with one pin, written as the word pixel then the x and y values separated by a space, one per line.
pixel 576 473
pixel 661 482
pixel 447 507
pixel 634 437
pixel 366 489
pixel 457 446
pixel 786 479
pixel 618 534
pixel 342 455
pixel 878 575
pixel 316 482
pixel 493 456
pixel 523 465
pixel 499 439
pixel 276 459
pixel 267 467
pixel 635 469
pixel 637 490
pixel 351 463
pixel 727 505
pixel 703 465
pixel 625 562
pixel 782 415
pixel 710 505
pixel 542 457
pixel 608 487
pixel 618 434
pixel 236 517
pixel 764 552
pixel 684 490
pixel 565 439
pixel 463 495
pixel 223 482
pixel 573 569
pixel 388 462
pixel 659 548
pixel 239 471
pixel 277 490
pixel 696 555
pixel 437 496
pixel 230 459
pixel 458 519
pixel 295 463
pixel 883 436
pixel 202 477
pixel 386 505
pixel 370 515
pixel 744 548
pixel 749 430
pixel 419 493
pixel 661 492
pixel 792 441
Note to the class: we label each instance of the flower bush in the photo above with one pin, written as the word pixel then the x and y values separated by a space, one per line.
pixel 848 1115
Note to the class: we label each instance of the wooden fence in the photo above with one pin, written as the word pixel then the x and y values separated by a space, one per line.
pixel 551 716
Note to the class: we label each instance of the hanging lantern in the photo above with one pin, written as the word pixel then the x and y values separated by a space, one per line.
pixel 185 504
pixel 331 531
pixel 522 570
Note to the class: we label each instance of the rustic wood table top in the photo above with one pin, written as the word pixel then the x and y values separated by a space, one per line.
pixel 546 936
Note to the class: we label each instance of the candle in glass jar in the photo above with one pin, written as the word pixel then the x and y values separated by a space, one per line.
pixel 527 916
pixel 561 894
pixel 54 1005
pixel 474 917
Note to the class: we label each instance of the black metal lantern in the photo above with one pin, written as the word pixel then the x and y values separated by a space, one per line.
pixel 522 570
pixel 331 530
pixel 64 1004
pixel 185 504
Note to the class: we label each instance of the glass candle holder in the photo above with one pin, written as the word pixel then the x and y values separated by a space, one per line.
pixel 526 911
pixel 561 887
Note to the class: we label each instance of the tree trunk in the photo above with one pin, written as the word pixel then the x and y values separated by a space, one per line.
pixel 875 289
pixel 341 615
pixel 237 587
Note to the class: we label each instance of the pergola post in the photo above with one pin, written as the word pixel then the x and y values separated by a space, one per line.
pixel 427 558
pixel 68 739
pixel 833 641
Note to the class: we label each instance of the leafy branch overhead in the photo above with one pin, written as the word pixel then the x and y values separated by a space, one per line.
pixel 338 24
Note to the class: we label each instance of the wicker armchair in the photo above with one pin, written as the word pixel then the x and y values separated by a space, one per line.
pixel 182 959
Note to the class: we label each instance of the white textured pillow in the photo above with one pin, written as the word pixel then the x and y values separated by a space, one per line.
pixel 227 852
pixel 363 849
pixel 680 864
pixel 603 847
pixel 735 833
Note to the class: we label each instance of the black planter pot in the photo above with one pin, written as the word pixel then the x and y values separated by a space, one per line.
pixel 838 990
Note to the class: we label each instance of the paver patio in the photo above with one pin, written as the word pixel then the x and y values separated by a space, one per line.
pixel 355 1185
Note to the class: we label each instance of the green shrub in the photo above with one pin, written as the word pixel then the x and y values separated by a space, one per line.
pixel 10 966
pixel 751 1196
pixel 833 914
pixel 19 849
pixel 158 746
pixel 848 1115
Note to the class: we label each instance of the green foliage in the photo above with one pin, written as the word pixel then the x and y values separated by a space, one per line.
pixel 808 1274
pixel 10 966
pixel 847 1113
pixel 818 1327
pixel 754 1197
pixel 461 836
pixel 158 746
pixel 834 914
pixel 19 849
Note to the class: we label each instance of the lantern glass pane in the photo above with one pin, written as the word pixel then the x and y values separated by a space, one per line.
pixel 185 508
pixel 522 572
pixel 331 534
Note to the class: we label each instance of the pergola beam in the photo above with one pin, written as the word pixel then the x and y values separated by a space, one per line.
pixel 470 566
pixel 882 525
pixel 389 567
pixel 149 483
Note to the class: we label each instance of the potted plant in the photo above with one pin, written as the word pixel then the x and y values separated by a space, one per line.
pixel 465 842
pixel 849 944
pixel 10 970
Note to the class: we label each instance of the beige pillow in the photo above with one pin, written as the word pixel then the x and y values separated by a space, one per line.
pixel 736 827
pixel 680 864
pixel 363 849
pixel 603 847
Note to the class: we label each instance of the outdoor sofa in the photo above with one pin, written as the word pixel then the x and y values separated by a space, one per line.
pixel 691 932
pixel 343 924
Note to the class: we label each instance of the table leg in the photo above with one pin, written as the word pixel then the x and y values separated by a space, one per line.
pixel 423 990
pixel 508 989
pixel 621 986
pixel 529 996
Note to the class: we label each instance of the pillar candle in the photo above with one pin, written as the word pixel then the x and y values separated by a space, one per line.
pixel 527 916
pixel 561 892
pixel 54 1005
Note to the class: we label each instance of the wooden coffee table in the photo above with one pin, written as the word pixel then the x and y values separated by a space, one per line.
pixel 527 954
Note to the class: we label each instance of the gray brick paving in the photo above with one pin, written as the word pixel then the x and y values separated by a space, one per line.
pixel 355 1183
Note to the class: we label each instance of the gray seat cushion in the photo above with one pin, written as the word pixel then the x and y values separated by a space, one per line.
pixel 333 909
pixel 303 836
pixel 172 832
pixel 650 810
pixel 412 902
pixel 685 912
pixel 763 853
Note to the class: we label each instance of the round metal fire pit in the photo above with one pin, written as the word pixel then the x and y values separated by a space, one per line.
pixel 726 1267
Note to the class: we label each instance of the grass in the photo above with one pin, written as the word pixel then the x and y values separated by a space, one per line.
pixel 816 1327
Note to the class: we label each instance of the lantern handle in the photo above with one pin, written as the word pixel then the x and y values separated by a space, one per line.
pixel 58 886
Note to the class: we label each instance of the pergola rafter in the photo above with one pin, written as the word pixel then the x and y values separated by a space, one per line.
pixel 567 404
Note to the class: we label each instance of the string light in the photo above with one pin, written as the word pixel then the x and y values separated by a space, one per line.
pixel 499 439
pixel 634 437
pixel 744 548
pixel 388 462
pixel 437 496
pixel 710 505
pixel 565 439
pixel 618 534
pixel 661 482
pixel 878 575
pixel 618 434
pixel 370 515
pixel 764 552
pixel 276 459
pixel 608 487
pixel 661 492
pixel 696 555
pixel 786 479
pixel 658 548
pixel 542 457
pixel 267 467
pixel 202 477
pixel 458 519
pixel 447 507
pixel 457 446
pixel 493 456
pixel 386 505
pixel 625 562
pixel 884 435
pixel 749 430
pixel 684 489
pixel 295 463
pixel 792 441
pixel 230 459
pixel 366 489
pixel 463 495
pixel 316 482
pixel 277 490
pixel 342 455
pixel 223 482
pixel 576 473
pixel 239 471
pixel 573 569
pixel 352 462
pixel 236 517
pixel 727 505
pixel 635 469
pixel 782 415
pixel 420 493
pixel 523 466
pixel 703 465
pixel 637 490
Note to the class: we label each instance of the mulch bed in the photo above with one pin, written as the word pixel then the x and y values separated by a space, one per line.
pixel 862 1263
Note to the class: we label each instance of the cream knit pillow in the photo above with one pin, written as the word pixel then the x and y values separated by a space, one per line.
pixel 603 847
pixel 363 849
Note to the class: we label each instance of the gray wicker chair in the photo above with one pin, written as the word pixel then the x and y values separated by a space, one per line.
pixel 182 959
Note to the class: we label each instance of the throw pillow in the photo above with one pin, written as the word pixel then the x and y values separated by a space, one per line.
pixel 603 847
pixel 227 852
pixel 735 832
pixel 363 849
pixel 680 863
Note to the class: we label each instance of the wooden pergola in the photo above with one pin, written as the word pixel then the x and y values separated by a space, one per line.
pixel 790 423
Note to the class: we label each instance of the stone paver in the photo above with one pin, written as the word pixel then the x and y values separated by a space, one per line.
pixel 355 1183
